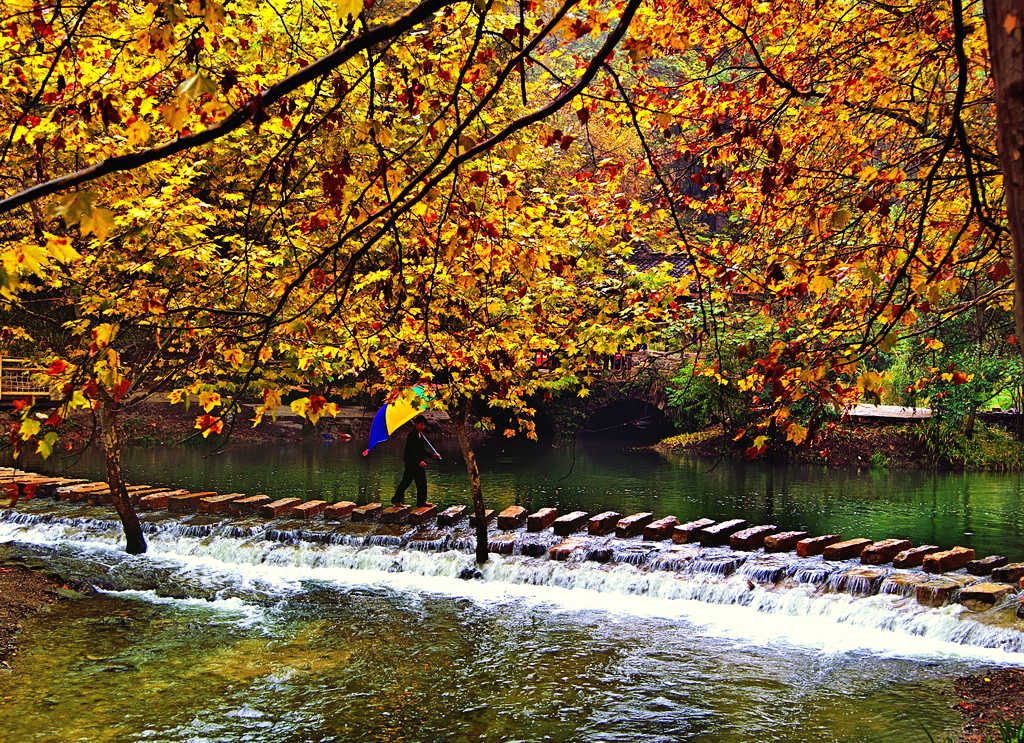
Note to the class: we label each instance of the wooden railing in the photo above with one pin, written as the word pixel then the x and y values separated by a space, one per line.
pixel 22 378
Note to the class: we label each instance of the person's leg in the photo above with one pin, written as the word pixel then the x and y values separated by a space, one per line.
pixel 405 482
pixel 421 486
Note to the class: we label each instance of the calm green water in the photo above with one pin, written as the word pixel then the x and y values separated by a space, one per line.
pixel 977 510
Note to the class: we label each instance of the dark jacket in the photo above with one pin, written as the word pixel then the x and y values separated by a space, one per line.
pixel 415 450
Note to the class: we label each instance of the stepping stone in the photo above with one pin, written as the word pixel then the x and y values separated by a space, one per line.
pixel 106 498
pixel 948 560
pixel 309 509
pixel 633 525
pixel 845 550
pixel 1011 573
pixel 571 522
pixel 279 507
pixel 217 503
pixel 689 532
pixel 395 514
pixel 914 556
pixel 751 538
pixel 81 492
pixel 367 513
pixel 157 501
pixel 603 524
pixel 512 517
pixel 986 565
pixel 452 515
pixel 859 581
pixel 661 529
pixel 562 550
pixel 902 584
pixel 542 519
pixel 816 545
pixel 186 502
pixel 422 514
pixel 249 504
pixel 488 517
pixel 503 544
pixel 883 551
pixel 981 596
pixel 718 534
pixel 338 511
pixel 784 541
pixel 938 591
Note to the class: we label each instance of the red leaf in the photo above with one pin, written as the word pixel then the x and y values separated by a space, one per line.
pixel 583 115
pixel 479 177
pixel 57 367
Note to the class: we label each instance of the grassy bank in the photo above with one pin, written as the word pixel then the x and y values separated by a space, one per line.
pixel 927 445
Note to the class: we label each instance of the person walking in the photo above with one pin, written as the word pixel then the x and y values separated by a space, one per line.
pixel 415 457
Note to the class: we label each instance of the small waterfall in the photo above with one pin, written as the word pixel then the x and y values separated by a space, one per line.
pixel 222 560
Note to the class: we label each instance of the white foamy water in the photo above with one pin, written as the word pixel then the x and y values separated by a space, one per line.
pixel 787 611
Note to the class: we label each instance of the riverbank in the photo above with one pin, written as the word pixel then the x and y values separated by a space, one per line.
pixel 24 590
pixel 921 446
pixel 989 701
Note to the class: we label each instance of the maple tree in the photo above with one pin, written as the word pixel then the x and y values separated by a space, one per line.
pixel 239 199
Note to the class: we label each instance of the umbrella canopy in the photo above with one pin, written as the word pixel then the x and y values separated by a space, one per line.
pixel 394 415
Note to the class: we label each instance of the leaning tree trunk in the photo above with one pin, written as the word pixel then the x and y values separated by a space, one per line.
pixel 111 433
pixel 474 482
pixel 1004 20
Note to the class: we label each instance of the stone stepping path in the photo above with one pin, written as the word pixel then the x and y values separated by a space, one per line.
pixel 701 546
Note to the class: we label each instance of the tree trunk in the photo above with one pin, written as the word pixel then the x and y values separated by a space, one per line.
pixel 474 482
pixel 1004 20
pixel 135 541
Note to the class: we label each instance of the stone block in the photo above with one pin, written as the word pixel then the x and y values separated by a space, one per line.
pixel 783 541
pixel 186 502
pixel 604 523
pixel 155 501
pixel 752 537
pixel 395 514
pixel 661 529
pixel 937 592
pixel 883 551
pixel 688 532
pixel 562 550
pixel 279 507
pixel 981 596
pixel 452 515
pixel 718 534
pixel 249 504
pixel 369 512
pixel 309 509
pixel 633 525
pixel 846 550
pixel 913 557
pixel 947 560
pixel 816 545
pixel 859 581
pixel 542 519
pixel 502 544
pixel 1011 573
pixel 488 517
pixel 217 503
pixel 422 514
pixel 570 523
pixel 81 492
pixel 986 565
pixel 512 517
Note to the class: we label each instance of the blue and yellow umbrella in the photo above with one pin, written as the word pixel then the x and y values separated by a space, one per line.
pixel 394 415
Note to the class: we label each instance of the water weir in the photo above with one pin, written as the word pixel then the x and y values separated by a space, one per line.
pixel 852 583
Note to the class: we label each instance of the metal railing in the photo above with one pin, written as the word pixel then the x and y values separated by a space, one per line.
pixel 22 378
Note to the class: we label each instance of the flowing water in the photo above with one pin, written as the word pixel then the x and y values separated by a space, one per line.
pixel 292 632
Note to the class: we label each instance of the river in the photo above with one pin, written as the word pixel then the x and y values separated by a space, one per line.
pixel 229 638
